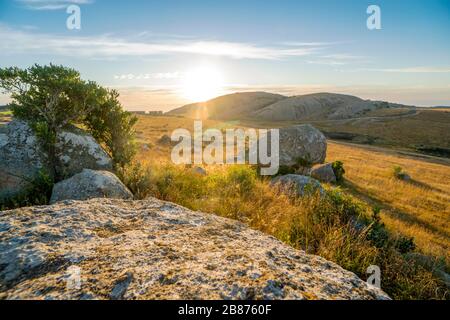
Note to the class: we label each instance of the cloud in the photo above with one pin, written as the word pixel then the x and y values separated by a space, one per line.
pixel 50 4
pixel 413 70
pixel 108 46
pixel 159 75
pixel 337 59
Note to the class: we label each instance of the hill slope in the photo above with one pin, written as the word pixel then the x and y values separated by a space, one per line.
pixel 228 107
pixel 273 107
pixel 315 106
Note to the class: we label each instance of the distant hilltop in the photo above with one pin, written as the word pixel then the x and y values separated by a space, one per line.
pixel 149 113
pixel 275 107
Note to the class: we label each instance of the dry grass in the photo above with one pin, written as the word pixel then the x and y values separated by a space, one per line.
pixel 418 208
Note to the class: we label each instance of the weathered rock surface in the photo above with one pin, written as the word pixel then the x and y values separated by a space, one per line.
pixel 21 157
pixel 301 185
pixel 302 144
pixel 156 250
pixel 324 173
pixel 90 184
pixel 78 150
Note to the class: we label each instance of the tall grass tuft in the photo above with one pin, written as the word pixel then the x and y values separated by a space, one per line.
pixel 335 226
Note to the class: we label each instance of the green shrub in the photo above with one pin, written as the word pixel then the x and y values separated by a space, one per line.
pixel 38 193
pixel 338 169
pixel 52 98
pixel 398 173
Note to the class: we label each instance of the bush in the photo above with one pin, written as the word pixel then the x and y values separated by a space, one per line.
pixel 38 193
pixel 398 173
pixel 338 169
pixel 51 98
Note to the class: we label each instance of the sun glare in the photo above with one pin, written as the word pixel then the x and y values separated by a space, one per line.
pixel 202 83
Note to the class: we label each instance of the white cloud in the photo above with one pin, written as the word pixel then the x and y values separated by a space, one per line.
pixel 50 4
pixel 413 70
pixel 337 59
pixel 107 46
pixel 159 75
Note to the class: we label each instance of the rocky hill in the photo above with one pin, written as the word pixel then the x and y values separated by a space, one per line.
pixel 271 107
pixel 228 107
pixel 124 249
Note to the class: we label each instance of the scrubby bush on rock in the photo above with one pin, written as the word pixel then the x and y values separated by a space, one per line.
pixel 52 98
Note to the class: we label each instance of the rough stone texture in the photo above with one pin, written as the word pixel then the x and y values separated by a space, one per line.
pixel 324 173
pixel 90 184
pixel 156 250
pixel 302 144
pixel 78 150
pixel 300 184
pixel 21 157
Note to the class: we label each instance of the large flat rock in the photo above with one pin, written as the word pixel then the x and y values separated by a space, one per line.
pixel 124 249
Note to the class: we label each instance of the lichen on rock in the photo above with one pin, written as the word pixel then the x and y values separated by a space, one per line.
pixel 152 249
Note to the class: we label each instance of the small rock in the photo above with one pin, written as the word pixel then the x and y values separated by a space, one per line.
pixel 90 184
pixel 165 140
pixel 301 185
pixel 200 171
pixel 324 173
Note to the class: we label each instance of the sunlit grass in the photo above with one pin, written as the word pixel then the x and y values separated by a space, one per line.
pixel 417 209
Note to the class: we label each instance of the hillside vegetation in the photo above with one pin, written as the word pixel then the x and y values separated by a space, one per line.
pixel 412 252
pixel 340 117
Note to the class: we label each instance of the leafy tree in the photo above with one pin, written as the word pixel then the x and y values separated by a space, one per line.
pixel 51 98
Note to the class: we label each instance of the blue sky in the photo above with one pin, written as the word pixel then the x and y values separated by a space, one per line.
pixel 155 51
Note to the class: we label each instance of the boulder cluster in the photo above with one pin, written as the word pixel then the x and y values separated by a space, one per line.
pixel 303 150
pixel 81 161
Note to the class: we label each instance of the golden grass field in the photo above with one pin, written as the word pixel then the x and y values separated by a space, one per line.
pixel 419 208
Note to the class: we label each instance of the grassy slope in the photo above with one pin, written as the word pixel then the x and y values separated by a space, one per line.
pixel 399 128
pixel 419 208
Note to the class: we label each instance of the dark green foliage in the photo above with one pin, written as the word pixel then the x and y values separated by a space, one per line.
pixel 338 169
pixel 398 173
pixel 405 244
pixel 38 193
pixel 52 98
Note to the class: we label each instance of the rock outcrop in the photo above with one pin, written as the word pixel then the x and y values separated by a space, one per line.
pixel 301 185
pixel 78 150
pixel 21 157
pixel 302 145
pixel 118 249
pixel 90 184
pixel 324 173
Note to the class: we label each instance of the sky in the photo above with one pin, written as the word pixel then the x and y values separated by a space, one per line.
pixel 162 54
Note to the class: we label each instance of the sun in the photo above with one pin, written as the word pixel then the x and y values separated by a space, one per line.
pixel 202 83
